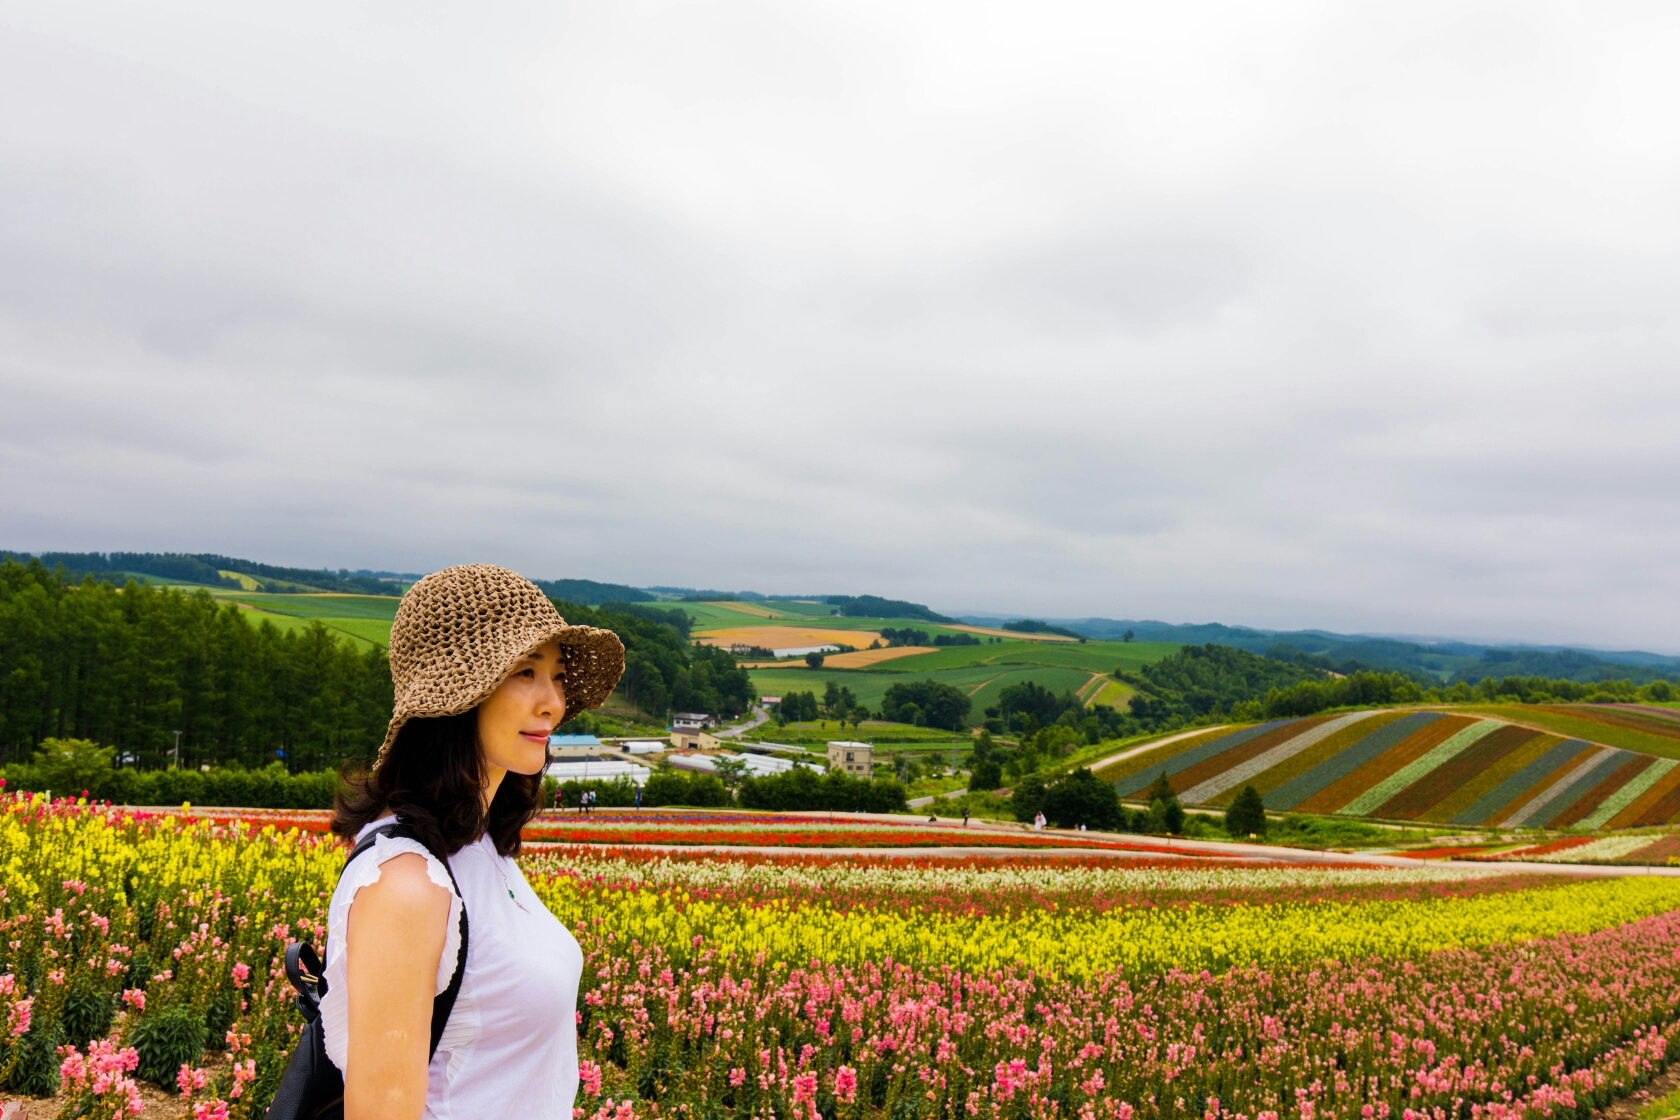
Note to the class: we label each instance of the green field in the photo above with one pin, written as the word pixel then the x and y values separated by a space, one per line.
pixel 1093 657
pixel 982 683
pixel 364 618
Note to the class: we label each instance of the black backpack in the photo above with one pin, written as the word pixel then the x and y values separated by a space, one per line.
pixel 312 1088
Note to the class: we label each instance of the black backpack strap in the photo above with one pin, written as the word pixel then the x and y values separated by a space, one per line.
pixel 444 1002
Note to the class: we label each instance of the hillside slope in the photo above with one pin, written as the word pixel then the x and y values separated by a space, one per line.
pixel 1442 767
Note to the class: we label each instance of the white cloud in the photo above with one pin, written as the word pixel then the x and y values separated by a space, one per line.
pixel 1287 314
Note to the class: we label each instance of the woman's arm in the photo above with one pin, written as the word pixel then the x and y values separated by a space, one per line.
pixel 393 940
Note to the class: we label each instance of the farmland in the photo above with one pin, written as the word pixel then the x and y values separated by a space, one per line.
pixel 1444 767
pixel 981 670
pixel 868 987
pixel 364 619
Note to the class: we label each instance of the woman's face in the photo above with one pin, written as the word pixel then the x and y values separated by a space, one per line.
pixel 514 723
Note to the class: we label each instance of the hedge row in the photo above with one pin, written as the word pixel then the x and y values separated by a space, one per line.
pixel 268 788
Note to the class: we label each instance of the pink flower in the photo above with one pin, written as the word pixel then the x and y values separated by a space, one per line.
pixel 243 1072
pixel 190 1080
pixel 21 1011
pixel 737 1077
pixel 210 1110
pixel 845 1084
pixel 241 973
pixel 135 998
pixel 589 1075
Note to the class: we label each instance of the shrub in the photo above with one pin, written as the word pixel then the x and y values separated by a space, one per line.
pixel 168 1039
pixel 1082 798
pixel 620 793
pixel 802 790
pixel 673 787
pixel 1028 797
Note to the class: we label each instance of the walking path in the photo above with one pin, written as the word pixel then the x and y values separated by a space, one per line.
pixel 760 717
pixel 1151 745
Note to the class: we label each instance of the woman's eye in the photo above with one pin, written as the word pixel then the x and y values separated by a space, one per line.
pixel 528 673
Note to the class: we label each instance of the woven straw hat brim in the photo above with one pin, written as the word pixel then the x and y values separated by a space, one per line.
pixel 461 632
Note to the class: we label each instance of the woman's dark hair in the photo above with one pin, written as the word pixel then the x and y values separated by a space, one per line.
pixel 432 778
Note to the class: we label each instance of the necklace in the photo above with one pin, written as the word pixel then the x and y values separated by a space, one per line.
pixel 498 862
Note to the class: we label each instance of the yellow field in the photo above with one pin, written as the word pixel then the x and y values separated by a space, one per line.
pixel 864 658
pixel 785 637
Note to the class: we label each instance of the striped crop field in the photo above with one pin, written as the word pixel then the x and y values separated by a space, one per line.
pixel 1431 767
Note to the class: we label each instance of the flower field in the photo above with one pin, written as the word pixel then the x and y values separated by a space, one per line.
pixel 1417 766
pixel 808 987
pixel 1635 849
pixel 749 830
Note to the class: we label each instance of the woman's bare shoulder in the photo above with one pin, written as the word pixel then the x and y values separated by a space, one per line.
pixel 404 889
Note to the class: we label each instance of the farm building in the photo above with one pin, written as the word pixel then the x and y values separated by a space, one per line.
pixel 758 766
pixel 856 759
pixel 592 769
pixel 573 746
pixel 690 721
pixel 694 740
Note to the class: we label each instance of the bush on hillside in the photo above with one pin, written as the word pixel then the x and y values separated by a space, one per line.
pixel 801 789
pixel 1082 798
pixel 933 703
pixel 620 793
pixel 676 787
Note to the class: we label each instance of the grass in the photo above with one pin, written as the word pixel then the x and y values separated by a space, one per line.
pixel 1298 830
pixel 365 619
pixel 1662 1108
pixel 364 633
pixel 926 787
pixel 983 806
pixel 324 605
pixel 1093 657
pixel 1112 693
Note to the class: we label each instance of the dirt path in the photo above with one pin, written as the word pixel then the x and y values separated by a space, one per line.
pixel 1113 758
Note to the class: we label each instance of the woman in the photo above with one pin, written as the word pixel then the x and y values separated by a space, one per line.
pixel 485 669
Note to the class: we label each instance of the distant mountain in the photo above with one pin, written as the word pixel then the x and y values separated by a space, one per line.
pixel 873 606
pixel 1444 661
pixel 211 570
pixel 587 592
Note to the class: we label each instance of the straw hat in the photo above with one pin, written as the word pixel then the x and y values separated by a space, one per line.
pixel 461 632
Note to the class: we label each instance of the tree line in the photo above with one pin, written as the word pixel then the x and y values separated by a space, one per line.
pixel 129 667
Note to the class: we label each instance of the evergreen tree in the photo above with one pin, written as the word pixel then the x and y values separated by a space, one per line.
pixel 985 769
pixel 1247 814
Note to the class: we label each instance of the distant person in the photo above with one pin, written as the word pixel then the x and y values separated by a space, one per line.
pixel 965 816
pixel 484 669
pixel 1038 822
pixel 638 797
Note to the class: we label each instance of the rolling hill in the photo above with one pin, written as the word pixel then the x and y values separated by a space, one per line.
pixel 1452 767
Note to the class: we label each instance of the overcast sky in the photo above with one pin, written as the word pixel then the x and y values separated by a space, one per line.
pixel 1352 316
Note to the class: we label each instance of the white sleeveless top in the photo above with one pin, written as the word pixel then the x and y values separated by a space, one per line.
pixel 510 1047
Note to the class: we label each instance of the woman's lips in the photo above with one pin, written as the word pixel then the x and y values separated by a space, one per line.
pixel 534 736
